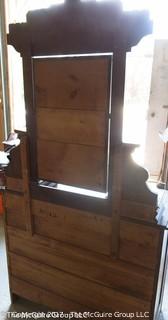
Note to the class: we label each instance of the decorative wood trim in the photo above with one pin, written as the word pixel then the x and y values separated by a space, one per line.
pixel 62 35
pixel 26 183
pixel 30 110
pixel 134 185
pixel 73 200
pixel 117 96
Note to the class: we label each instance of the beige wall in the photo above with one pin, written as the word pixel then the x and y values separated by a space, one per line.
pixel 157 115
pixel 1 117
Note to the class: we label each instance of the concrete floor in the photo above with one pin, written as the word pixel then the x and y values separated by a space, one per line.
pixel 4 291
pixel 23 305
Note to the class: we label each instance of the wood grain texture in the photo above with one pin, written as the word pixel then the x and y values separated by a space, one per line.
pixel 42 296
pixel 14 184
pixel 30 109
pixel 24 150
pixel 139 244
pixel 81 291
pixel 72 126
pixel 72 90
pixel 14 210
pixel 76 165
pixel 70 257
pixel 71 199
pixel 14 202
pixel 113 273
pixel 117 166
pixel 76 83
pixel 138 210
pixel 14 168
pixel 72 226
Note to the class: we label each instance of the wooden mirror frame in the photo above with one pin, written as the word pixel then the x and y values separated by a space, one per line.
pixel 74 28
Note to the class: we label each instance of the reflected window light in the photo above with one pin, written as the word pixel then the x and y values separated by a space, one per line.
pixel 18 11
pixel 158 13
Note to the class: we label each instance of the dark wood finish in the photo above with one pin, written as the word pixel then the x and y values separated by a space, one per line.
pixel 117 196
pixel 66 250
pixel 133 189
pixel 80 30
pixel 30 108
pixel 14 169
pixel 14 184
pixel 26 183
pixel 137 210
pixel 15 213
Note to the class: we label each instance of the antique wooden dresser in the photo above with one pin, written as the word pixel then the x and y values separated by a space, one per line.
pixel 81 227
